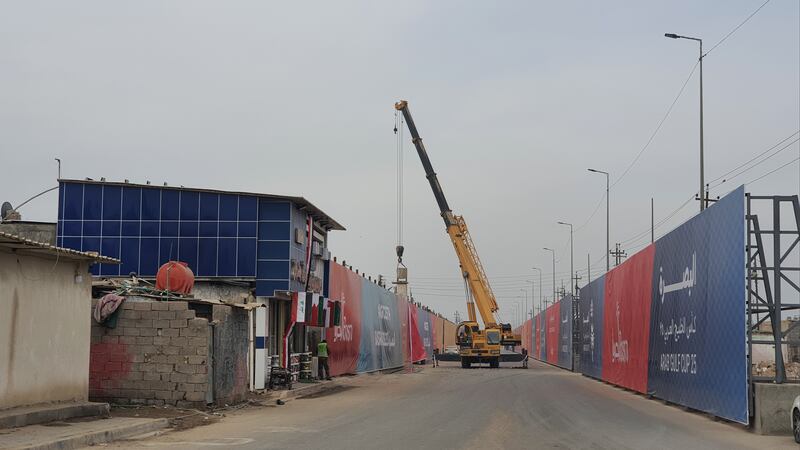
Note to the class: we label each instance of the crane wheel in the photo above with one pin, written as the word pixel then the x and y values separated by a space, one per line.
pixel 465 364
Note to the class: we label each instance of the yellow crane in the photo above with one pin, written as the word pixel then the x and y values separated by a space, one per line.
pixel 475 344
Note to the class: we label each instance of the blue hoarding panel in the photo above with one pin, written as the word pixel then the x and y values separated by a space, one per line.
pixel 565 333
pixel 381 344
pixel 697 335
pixel 592 298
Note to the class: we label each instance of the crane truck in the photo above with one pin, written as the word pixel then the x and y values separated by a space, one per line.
pixel 475 344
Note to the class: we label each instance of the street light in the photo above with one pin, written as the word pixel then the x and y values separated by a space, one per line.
pixel 540 287
pixel 571 259
pixel 608 242
pixel 702 168
pixel 554 271
pixel 525 316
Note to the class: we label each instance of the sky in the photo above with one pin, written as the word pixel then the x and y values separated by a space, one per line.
pixel 514 101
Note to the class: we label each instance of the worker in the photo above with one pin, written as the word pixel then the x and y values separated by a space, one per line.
pixel 524 358
pixel 322 360
pixel 436 357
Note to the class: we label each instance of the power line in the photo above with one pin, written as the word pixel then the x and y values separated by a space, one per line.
pixel 774 170
pixel 758 163
pixel 754 158
pixel 736 28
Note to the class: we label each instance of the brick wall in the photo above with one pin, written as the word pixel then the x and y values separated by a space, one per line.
pixel 157 355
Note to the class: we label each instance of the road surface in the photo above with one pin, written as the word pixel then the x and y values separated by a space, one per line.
pixel 449 407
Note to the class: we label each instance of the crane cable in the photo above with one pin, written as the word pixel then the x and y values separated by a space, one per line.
pixel 398 131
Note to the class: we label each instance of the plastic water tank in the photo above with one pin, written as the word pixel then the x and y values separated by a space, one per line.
pixel 175 276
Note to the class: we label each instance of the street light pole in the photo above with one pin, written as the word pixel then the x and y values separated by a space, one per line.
pixel 540 287
pixel 702 163
pixel 554 271
pixel 571 259
pixel 608 240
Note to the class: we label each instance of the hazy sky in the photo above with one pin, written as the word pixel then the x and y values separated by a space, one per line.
pixel 514 100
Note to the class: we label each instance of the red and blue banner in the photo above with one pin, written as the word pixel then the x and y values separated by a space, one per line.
pixel 565 332
pixel 592 297
pixel 553 320
pixel 344 343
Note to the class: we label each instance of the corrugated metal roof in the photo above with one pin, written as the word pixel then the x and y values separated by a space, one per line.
pixel 318 215
pixel 15 242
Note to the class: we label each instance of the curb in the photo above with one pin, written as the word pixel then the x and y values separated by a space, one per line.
pixel 305 390
pixel 99 437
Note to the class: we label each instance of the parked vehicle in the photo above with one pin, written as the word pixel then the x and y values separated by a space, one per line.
pixel 794 416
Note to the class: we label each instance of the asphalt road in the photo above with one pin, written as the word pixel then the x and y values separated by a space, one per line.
pixel 449 407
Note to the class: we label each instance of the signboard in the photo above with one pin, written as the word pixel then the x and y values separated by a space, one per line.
pixel 565 332
pixel 381 346
pixel 592 297
pixel 344 343
pixel 553 320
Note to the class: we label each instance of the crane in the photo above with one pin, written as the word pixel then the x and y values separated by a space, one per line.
pixel 476 344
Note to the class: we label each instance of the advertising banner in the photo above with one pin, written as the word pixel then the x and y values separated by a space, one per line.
pixel 565 332
pixel 381 345
pixel 344 342
pixel 543 335
pixel 626 321
pixel 415 343
pixel 553 318
pixel 591 321
pixel 697 326
pixel 537 346
pixel 425 327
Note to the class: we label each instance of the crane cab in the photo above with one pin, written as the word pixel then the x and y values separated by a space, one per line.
pixel 476 345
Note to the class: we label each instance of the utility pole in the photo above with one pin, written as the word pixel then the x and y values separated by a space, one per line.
pixel 588 268
pixel 618 255
pixel 576 278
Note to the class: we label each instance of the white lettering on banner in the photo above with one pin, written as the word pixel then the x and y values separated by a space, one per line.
pixel 384 312
pixel 619 347
pixel 588 320
pixel 426 342
pixel 684 327
pixel 425 325
pixel 688 281
pixel 383 339
pixel 678 363
pixel 301 307
pixel 343 332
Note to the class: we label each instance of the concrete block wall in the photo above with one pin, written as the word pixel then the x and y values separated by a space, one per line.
pixel 157 355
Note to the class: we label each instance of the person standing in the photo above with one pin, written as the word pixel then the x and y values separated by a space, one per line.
pixel 322 360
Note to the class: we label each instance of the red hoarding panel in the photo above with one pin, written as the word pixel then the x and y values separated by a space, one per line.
pixel 344 340
pixel 538 337
pixel 415 344
pixel 553 317
pixel 626 321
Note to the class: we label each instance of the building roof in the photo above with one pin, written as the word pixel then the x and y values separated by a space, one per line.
pixel 319 216
pixel 14 242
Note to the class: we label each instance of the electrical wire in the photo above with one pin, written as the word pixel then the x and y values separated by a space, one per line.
pixel 774 170
pixel 758 163
pixel 736 28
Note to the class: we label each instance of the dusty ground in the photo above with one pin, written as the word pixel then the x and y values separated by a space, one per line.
pixel 449 407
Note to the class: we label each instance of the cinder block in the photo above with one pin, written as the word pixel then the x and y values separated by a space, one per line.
pixel 130 314
pixel 147 332
pixel 171 350
pixel 197 359
pixel 190 405
pixel 179 377
pixel 109 339
pixel 159 359
pixel 167 315
pixel 171 332
pixel 144 340
pixel 178 395
pixel 135 376
pixel 187 387
pixel 202 350
pixel 198 378
pixel 198 342
pixel 127 305
pixel 126 323
pixel 149 349
pixel 195 396
pixel 114 331
pixel 178 359
pixel 95 339
pixel 160 340
pixel 144 323
pixel 165 368
pixel 188 314
pixel 149 314
pixel 178 306
pixel 141 306
pixel 177 323
pixel 198 323
pixel 164 395
pixel 185 368
pixel 179 341
pixel 151 376
pixel 127 340
pixel 131 331
pixel 159 306
pixel 161 323
pixel 188 332
pixel 201 368
pixel 145 367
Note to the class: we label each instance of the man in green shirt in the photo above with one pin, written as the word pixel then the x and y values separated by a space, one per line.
pixel 322 360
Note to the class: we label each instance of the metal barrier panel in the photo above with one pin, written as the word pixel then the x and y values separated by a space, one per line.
pixel 626 321
pixel 551 342
pixel 537 352
pixel 543 335
pixel 425 327
pixel 381 345
pixel 344 341
pixel 565 332
pixel 697 330
pixel 591 322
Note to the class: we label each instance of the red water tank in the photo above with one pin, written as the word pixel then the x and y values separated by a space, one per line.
pixel 175 276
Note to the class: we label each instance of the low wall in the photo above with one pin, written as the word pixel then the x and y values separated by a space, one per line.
pixel 157 355
pixel 773 403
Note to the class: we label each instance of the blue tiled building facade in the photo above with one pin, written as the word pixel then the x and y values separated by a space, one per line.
pixel 221 235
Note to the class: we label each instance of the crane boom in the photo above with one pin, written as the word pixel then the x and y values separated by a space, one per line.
pixel 471 267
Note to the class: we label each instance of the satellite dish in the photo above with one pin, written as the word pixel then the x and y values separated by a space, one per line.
pixel 5 209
